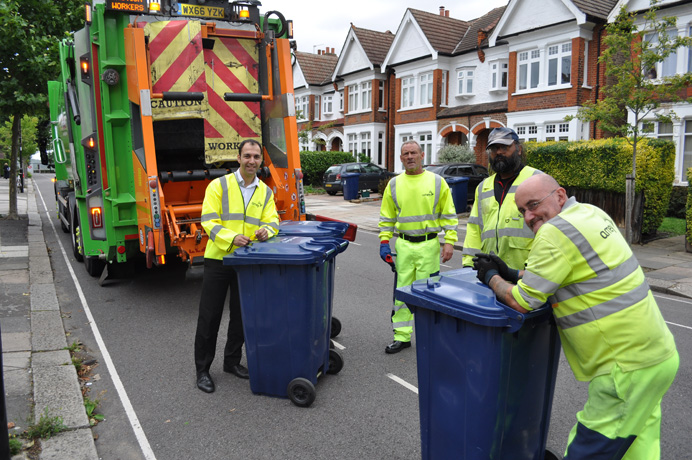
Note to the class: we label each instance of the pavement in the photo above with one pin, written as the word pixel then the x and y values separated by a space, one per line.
pixel 38 375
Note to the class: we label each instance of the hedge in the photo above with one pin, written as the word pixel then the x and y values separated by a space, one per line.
pixel 604 164
pixel 314 164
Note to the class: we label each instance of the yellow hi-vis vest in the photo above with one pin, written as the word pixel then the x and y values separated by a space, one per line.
pixel 416 205
pixel 496 228
pixel 604 309
pixel 224 214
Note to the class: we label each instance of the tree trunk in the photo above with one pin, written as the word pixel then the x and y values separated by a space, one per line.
pixel 16 130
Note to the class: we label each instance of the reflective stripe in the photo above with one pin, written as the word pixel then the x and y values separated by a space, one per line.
pixel 392 189
pixel 449 227
pixel 470 251
pixel 584 247
pixel 225 205
pixel 524 232
pixel 488 234
pixel 448 216
pixel 604 309
pixel 210 216
pixel 253 220
pixel 273 225
pixel 385 228
pixel 539 283
pixel 214 231
pixel 402 324
pixel 602 280
pixel 421 231
pixel 476 220
pixel 533 302
pixel 398 307
pixel 414 219
pixel 387 219
pixel 233 216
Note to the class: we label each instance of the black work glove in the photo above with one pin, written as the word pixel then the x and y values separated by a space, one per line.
pixel 486 268
pixel 509 274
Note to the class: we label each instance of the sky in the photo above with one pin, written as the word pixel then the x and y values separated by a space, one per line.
pixel 318 25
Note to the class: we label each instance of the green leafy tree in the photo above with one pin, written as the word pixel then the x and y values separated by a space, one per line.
pixel 456 154
pixel 634 48
pixel 31 30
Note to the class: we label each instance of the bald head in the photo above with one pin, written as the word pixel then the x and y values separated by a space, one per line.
pixel 540 198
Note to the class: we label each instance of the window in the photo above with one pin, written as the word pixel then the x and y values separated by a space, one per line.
pixel 498 75
pixel 353 143
pixel 341 101
pixel 327 104
pixel 408 92
pixel 317 108
pixel 668 66
pixel 380 94
pixel 366 95
pixel 425 141
pixel 559 64
pixel 380 147
pixel 530 132
pixel 687 153
pixel 549 132
pixel 465 81
pixel 443 100
pixel 529 69
pixel 365 145
pixel 353 95
pixel 426 88
pixel 303 108
pixel 658 129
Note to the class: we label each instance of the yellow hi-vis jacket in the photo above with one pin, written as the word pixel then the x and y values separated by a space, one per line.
pixel 224 214
pixel 604 309
pixel 496 228
pixel 417 205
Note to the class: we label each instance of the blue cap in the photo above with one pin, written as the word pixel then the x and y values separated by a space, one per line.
pixel 504 136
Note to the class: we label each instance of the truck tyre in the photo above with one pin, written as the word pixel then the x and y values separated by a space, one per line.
pixel 94 266
pixel 76 237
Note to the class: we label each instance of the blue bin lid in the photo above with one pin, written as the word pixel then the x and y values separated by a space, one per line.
pixel 312 228
pixel 458 293
pixel 456 180
pixel 287 250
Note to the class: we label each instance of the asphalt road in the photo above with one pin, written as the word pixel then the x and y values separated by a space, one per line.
pixel 142 339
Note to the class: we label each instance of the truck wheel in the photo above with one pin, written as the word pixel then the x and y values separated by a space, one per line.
pixel 76 238
pixel 64 227
pixel 94 266
pixel 336 362
pixel 301 392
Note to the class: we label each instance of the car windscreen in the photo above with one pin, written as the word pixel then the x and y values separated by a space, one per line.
pixel 437 169
pixel 333 169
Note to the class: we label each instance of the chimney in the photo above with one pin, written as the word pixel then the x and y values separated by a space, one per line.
pixel 333 51
pixel 319 52
pixel 442 11
pixel 446 13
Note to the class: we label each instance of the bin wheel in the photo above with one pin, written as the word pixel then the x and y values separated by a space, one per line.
pixel 301 392
pixel 336 328
pixel 551 455
pixel 331 193
pixel 336 362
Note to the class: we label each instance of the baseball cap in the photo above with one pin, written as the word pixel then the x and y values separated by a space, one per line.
pixel 504 136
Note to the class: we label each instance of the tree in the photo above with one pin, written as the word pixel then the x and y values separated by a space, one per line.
pixel 28 59
pixel 456 154
pixel 632 56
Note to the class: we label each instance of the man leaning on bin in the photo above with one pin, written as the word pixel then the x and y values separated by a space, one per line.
pixel 494 223
pixel 612 331
pixel 237 209
pixel 418 205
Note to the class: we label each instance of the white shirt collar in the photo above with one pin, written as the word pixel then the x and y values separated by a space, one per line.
pixel 241 181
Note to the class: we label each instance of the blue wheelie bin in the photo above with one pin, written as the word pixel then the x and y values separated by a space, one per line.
pixel 287 327
pixel 349 184
pixel 486 373
pixel 311 228
pixel 459 187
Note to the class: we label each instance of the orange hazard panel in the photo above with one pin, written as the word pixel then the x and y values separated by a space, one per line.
pixel 231 67
pixel 177 65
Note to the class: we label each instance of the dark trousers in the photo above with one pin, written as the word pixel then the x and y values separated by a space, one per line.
pixel 217 280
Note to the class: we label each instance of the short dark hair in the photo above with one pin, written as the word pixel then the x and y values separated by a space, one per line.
pixel 248 141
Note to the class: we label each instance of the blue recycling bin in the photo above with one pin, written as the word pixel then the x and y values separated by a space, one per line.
pixel 349 184
pixel 311 228
pixel 486 373
pixel 459 187
pixel 287 327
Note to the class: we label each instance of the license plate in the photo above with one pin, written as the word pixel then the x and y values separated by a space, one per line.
pixel 328 185
pixel 199 11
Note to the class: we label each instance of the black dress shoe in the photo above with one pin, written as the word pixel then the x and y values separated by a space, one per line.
pixel 204 382
pixel 238 370
pixel 396 346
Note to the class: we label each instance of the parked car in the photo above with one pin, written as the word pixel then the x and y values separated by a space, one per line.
pixel 476 173
pixel 369 179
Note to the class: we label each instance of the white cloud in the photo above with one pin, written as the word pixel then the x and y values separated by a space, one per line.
pixel 318 25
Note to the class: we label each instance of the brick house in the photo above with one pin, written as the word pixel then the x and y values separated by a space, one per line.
pixel 319 101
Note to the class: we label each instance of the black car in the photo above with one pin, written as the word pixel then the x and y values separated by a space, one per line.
pixel 475 173
pixel 369 179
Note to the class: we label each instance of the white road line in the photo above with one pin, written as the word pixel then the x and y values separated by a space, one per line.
pixel 129 410
pixel 403 383
pixel 676 299
pixel 338 345
pixel 679 325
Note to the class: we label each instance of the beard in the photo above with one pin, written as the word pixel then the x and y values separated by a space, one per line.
pixel 502 164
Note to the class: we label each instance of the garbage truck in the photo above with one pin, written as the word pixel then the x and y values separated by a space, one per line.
pixel 153 99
